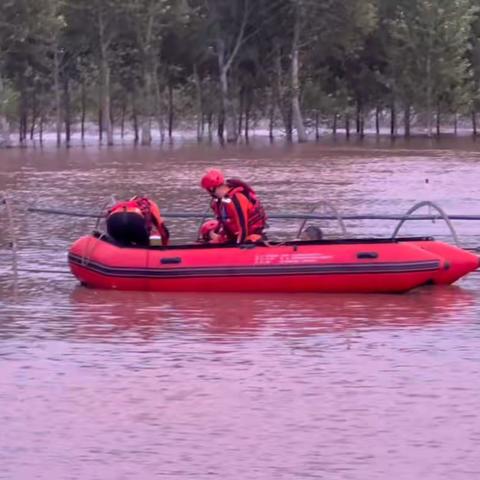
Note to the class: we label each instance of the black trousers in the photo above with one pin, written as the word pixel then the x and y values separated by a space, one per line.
pixel 128 228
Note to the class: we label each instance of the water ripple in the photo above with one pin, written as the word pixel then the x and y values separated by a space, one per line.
pixel 112 385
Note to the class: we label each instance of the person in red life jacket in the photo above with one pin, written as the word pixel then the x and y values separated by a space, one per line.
pixel 133 221
pixel 236 207
pixel 211 232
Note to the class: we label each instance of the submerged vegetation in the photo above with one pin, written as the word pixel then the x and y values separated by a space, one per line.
pixel 222 65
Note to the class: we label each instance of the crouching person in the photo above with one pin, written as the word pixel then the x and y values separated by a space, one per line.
pixel 211 232
pixel 236 207
pixel 132 222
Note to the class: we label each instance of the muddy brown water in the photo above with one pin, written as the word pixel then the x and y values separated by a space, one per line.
pixel 113 385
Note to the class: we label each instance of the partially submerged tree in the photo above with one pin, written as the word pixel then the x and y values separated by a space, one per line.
pixel 297 63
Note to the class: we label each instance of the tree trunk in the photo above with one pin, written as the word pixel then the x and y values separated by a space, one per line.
pixel 438 119
pixel 248 108
pixel 455 124
pixel 377 120
pixel 66 100
pixel 58 102
pixel 393 120
pixel 347 126
pixel 289 126
pixel 4 132
pixel 200 113
pixel 224 65
pixel 317 119
pixel 112 118
pixel 240 112
pixel 407 121
pixel 228 108
pixel 335 122
pixel 42 122
pixel 357 119
pixel 297 118
pixel 210 124
pixel 362 125
pixel 136 133
pixel 22 129
pixel 228 117
pixel 22 132
pixel 429 98
pixel 4 126
pixel 34 115
pixel 474 123
pixel 25 124
pixel 146 129
pixel 282 99
pixel 106 109
pixel 100 124
pixel 105 79
pixel 84 110
pixel 171 112
pixel 122 119
pixel 221 125
pixel 159 104
pixel 271 118
pixel 136 136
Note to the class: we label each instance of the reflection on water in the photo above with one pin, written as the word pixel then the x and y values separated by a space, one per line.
pixel 227 316
pixel 112 385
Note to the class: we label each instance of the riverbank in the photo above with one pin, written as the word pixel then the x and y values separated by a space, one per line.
pixel 260 133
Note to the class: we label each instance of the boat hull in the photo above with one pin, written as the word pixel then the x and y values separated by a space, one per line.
pixel 338 267
pixel 458 262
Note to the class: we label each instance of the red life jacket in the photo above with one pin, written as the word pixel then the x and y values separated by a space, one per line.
pixel 257 218
pixel 144 205
pixel 139 205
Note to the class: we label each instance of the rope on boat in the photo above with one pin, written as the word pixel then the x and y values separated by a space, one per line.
pixel 278 216
pixel 108 203
pixel 286 216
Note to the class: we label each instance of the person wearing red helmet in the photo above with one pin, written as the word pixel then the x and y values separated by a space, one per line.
pixel 133 221
pixel 211 232
pixel 236 207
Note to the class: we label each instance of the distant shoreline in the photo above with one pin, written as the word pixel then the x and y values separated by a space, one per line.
pixel 187 136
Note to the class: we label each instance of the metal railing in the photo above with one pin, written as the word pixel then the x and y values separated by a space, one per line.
pixel 427 203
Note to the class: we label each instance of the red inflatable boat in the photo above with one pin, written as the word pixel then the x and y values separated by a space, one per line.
pixel 374 265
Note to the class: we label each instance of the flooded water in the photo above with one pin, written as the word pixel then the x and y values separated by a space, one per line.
pixel 121 385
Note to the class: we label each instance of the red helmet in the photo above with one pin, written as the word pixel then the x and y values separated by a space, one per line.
pixel 212 179
pixel 209 226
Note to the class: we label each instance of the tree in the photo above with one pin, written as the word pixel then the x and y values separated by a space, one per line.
pixel 430 42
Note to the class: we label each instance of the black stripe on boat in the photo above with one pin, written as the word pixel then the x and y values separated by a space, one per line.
pixel 256 270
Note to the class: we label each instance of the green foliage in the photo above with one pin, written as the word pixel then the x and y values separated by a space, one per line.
pixel 429 42
pixel 423 54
